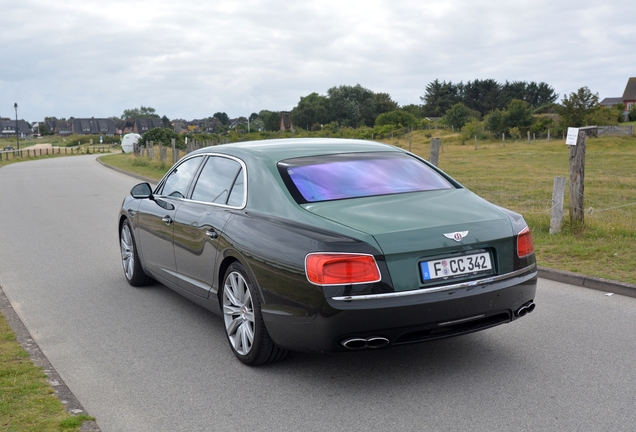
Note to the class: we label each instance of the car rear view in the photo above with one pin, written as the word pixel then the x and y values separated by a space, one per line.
pixel 453 262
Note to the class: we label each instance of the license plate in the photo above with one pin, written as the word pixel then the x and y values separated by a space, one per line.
pixel 453 267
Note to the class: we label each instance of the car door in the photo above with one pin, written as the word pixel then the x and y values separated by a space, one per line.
pixel 200 220
pixel 155 220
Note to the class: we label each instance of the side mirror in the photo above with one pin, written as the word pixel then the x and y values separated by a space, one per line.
pixel 141 191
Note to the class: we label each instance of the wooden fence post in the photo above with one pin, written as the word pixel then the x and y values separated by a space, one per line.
pixel 163 153
pixel 435 145
pixel 174 150
pixel 558 194
pixel 577 179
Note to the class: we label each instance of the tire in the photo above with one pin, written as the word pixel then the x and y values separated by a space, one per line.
pixel 243 321
pixel 133 271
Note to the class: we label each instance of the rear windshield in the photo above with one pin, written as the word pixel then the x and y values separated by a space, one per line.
pixel 354 175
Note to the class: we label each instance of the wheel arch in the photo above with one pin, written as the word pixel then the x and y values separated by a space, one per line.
pixel 230 256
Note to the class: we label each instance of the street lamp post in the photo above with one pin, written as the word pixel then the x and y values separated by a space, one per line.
pixel 17 137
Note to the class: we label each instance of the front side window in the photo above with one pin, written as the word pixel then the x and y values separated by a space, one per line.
pixel 176 184
pixel 354 175
pixel 220 182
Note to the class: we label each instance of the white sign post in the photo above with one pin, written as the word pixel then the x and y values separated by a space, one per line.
pixel 573 134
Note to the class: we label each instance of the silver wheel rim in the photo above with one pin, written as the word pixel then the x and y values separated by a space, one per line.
pixel 238 313
pixel 127 251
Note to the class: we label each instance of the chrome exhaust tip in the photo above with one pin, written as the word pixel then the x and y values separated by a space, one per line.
pixel 354 343
pixel 377 342
pixel 525 309
pixel 358 343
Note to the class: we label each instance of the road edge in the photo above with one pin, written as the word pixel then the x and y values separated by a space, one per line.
pixel 63 393
pixel 591 282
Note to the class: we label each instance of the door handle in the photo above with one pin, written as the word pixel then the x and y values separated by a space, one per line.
pixel 167 220
pixel 212 234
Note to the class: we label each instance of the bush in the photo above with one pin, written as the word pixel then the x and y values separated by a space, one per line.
pixel 163 136
pixel 514 132
pixel 397 119
pixel 473 128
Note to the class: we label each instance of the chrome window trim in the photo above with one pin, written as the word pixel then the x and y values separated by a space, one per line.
pixel 443 288
pixel 206 157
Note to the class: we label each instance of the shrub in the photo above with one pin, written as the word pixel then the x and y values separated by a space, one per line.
pixel 397 119
pixel 163 136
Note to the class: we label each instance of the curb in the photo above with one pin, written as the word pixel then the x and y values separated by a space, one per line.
pixel 137 176
pixel 63 393
pixel 591 282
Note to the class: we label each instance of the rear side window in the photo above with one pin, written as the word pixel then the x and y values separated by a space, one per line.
pixel 220 182
pixel 354 175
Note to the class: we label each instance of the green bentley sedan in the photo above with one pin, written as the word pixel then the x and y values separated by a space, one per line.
pixel 323 245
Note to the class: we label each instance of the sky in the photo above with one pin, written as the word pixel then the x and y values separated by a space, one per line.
pixel 191 59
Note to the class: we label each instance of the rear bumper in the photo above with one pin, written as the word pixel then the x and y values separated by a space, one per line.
pixel 419 316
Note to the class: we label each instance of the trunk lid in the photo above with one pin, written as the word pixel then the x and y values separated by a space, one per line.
pixel 410 228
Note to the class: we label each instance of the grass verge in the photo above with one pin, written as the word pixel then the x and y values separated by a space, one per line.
pixel 27 401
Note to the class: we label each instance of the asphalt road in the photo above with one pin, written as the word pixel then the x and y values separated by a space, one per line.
pixel 148 360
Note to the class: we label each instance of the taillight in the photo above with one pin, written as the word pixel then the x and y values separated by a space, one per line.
pixel 341 268
pixel 524 243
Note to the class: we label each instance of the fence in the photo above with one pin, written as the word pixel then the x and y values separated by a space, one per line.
pixel 616 130
pixel 39 152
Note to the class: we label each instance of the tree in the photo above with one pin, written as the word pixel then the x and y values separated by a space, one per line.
pixel 494 122
pixel 416 110
pixel 482 95
pixel 311 109
pixel 222 117
pixel 576 109
pixel 384 103
pixel 632 113
pixel 439 98
pixel 397 119
pixel 143 112
pixel 518 115
pixel 458 115
pixel 165 121
pixel 352 105
pixel 271 120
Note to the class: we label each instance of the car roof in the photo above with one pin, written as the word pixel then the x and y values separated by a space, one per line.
pixel 280 149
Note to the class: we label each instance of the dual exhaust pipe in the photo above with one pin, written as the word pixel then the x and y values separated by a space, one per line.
pixel 525 309
pixel 361 343
pixel 375 342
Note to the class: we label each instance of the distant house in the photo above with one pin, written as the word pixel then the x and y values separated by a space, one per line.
pixel 143 125
pixel 206 125
pixel 93 126
pixel 237 121
pixel 628 99
pixel 285 121
pixel 7 128
pixel 59 127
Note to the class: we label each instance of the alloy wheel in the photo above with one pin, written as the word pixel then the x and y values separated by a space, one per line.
pixel 238 313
